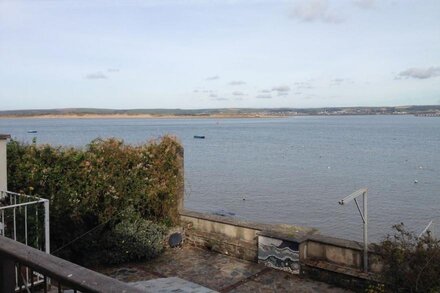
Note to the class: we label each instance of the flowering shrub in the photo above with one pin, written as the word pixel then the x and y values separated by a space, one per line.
pixel 103 184
pixel 411 264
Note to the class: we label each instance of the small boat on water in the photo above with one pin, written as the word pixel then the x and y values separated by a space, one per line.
pixel 199 136
pixel 32 131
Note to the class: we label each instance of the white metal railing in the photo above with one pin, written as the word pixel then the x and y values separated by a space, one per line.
pixel 25 218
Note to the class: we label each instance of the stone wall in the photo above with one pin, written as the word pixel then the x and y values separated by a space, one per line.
pixel 224 235
pixel 231 236
pixel 341 252
pixel 328 259
pixel 338 262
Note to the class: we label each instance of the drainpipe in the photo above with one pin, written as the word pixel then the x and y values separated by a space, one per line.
pixel 3 167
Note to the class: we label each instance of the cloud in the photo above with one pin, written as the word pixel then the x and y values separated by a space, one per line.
pixel 309 97
pixel 204 91
pixel 340 81
pixel 96 75
pixel 420 73
pixel 237 82
pixel 264 97
pixel 315 10
pixel 281 88
pixel 237 93
pixel 336 81
pixel 215 77
pixel 303 85
pixel 365 4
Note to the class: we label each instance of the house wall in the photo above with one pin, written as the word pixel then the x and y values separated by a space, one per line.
pixel 3 166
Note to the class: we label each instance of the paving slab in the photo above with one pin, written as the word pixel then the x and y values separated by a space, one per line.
pixel 217 272
pixel 172 284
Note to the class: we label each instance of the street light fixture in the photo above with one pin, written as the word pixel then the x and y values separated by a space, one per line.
pixel 364 216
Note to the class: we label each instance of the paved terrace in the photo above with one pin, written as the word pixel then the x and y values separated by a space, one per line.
pixel 215 271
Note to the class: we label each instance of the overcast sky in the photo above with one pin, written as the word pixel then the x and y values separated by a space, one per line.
pixel 211 54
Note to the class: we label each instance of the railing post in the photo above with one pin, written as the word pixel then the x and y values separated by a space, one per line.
pixel 47 281
pixel 7 274
pixel 364 197
pixel 3 166
pixel 46 227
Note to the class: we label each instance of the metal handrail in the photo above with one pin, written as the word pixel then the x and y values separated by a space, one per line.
pixel 19 194
pixel 23 204
pixel 60 271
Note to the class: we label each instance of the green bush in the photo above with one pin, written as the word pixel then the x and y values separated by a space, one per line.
pixel 97 185
pixel 131 241
pixel 411 264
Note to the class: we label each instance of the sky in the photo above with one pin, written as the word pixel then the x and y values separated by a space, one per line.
pixel 191 54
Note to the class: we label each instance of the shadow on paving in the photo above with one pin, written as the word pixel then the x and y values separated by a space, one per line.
pixel 217 272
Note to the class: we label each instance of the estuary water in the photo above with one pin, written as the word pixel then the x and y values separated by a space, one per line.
pixel 288 170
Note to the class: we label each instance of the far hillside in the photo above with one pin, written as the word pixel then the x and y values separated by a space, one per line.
pixel 395 110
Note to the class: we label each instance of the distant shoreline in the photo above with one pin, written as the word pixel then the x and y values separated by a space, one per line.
pixel 138 116
pixel 218 113
pixel 209 116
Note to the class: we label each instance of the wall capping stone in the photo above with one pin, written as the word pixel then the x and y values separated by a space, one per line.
pixel 283 229
pixel 285 232
pixel 221 219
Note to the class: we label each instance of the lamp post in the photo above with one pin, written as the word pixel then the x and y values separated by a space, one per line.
pixel 364 216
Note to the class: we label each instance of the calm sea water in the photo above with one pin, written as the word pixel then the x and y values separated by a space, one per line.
pixel 290 170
